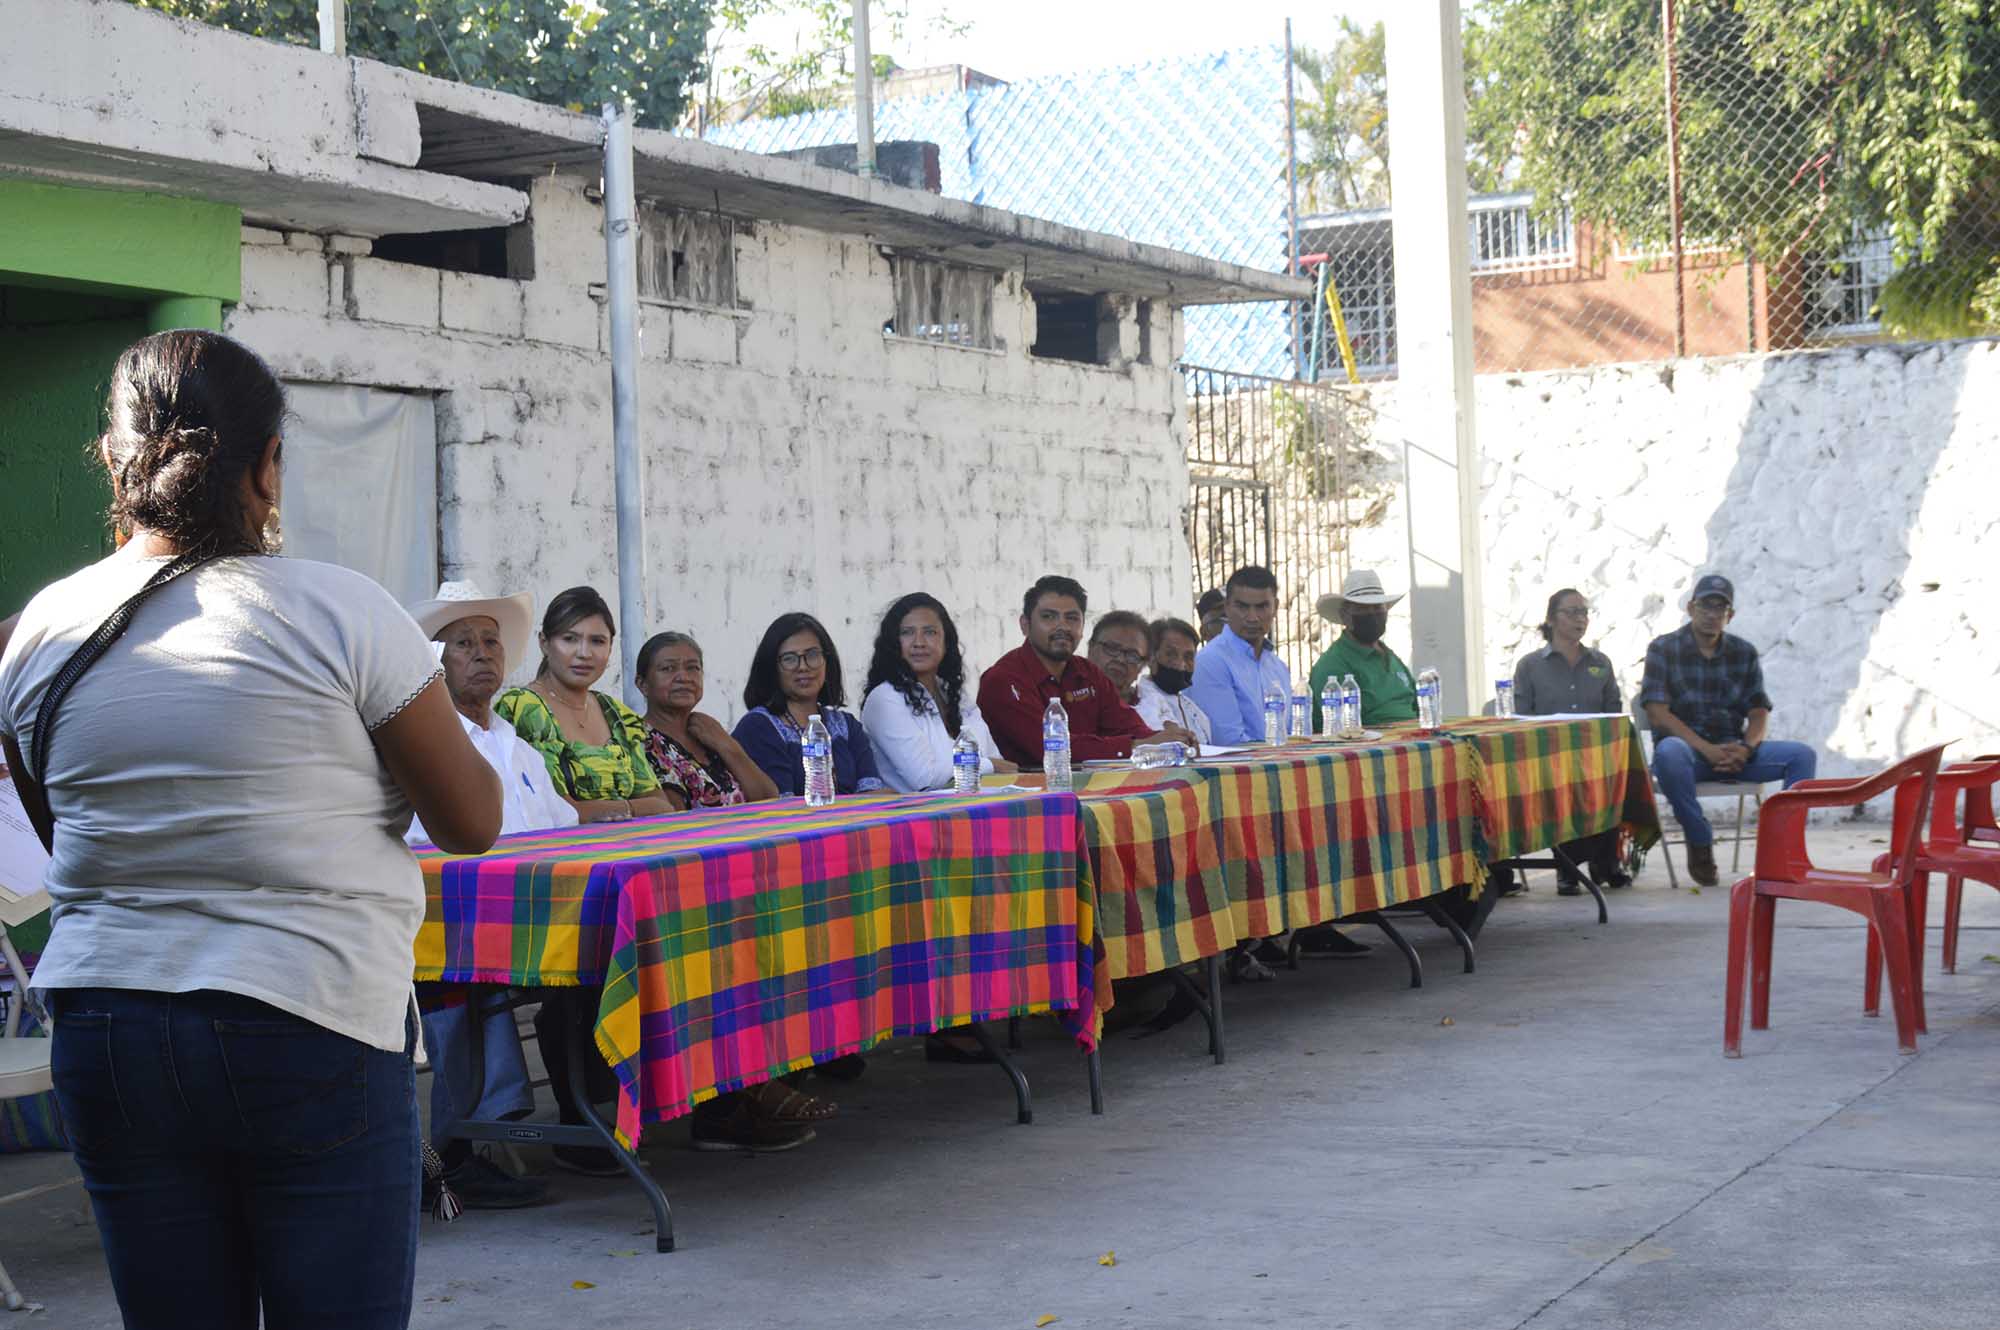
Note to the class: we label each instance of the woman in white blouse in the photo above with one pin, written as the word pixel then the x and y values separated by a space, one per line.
pixel 917 704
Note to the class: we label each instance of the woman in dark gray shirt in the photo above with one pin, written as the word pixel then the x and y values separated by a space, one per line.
pixel 1567 676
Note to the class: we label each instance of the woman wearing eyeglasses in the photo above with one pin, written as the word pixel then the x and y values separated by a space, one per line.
pixel 1567 677
pixel 794 676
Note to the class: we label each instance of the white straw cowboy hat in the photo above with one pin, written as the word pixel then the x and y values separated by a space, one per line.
pixel 1362 587
pixel 464 600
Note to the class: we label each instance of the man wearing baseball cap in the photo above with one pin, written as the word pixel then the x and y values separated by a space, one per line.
pixel 1388 689
pixel 1704 697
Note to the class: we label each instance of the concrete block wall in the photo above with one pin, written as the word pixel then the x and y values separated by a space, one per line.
pixel 1845 491
pixel 796 458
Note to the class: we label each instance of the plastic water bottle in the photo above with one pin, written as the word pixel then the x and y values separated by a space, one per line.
pixel 817 748
pixel 1172 753
pixel 1332 708
pixel 1429 687
pixel 1503 697
pixel 1302 713
pixel 1350 708
pixel 965 765
pixel 1274 715
pixel 1055 746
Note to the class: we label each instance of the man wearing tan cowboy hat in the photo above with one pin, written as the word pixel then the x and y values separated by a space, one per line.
pixel 1388 689
pixel 478 637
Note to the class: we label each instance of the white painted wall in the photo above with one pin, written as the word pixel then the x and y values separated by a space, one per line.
pixel 796 458
pixel 1847 492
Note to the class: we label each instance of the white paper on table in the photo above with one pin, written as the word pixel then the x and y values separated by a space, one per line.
pixel 22 861
pixel 1578 715
pixel 1227 750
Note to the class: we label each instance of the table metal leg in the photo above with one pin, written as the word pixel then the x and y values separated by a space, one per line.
pixel 663 1214
pixel 1442 918
pixel 1024 1110
pixel 1603 915
pixel 1094 1064
pixel 1395 935
pixel 1014 1034
pixel 1208 1003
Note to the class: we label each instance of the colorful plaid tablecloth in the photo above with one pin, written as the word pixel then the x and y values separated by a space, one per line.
pixel 737 944
pixel 1303 836
pixel 1549 781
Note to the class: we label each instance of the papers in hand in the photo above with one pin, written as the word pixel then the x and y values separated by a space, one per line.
pixel 23 861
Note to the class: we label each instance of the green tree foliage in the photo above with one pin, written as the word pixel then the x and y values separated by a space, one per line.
pixel 1803 123
pixel 567 54
pixel 760 76
pixel 1342 113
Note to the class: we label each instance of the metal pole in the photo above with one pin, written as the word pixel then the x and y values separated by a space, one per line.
pixel 1292 194
pixel 864 94
pixel 1670 20
pixel 333 26
pixel 621 272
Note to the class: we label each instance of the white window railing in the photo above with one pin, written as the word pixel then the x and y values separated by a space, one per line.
pixel 1509 235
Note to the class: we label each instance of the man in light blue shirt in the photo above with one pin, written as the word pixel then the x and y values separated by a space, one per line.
pixel 1234 671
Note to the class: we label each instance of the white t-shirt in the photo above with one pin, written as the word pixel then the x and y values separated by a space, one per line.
pixel 913 749
pixel 1156 706
pixel 529 801
pixel 223 820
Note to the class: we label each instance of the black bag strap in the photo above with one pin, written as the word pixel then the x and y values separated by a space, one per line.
pixel 88 654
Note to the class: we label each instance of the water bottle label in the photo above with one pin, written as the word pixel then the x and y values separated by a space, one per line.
pixel 813 750
pixel 1055 745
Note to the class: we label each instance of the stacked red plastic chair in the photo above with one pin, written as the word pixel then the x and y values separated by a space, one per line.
pixel 1953 849
pixel 1784 871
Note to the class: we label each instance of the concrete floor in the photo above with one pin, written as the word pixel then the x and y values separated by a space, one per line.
pixel 1570 1150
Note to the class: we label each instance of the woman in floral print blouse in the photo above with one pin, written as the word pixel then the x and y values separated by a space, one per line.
pixel 688 748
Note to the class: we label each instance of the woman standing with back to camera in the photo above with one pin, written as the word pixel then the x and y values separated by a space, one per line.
pixel 221 750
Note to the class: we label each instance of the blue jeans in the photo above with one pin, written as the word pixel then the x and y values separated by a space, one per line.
pixel 235 1154
pixel 1679 769
pixel 448 1041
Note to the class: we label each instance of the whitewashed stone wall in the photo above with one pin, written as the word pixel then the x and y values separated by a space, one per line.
pixel 1849 493
pixel 796 458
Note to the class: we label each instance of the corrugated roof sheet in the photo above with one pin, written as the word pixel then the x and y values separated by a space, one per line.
pixel 1186 153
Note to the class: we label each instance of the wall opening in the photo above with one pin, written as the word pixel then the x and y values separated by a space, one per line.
pixel 1079 328
pixel 494 251
pixel 943 302
pixel 688 257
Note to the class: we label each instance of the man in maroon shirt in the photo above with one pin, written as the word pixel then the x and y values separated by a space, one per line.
pixel 1015 691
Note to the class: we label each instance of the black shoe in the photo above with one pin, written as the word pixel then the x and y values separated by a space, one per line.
pixel 1612 879
pixel 742 1128
pixel 482 1184
pixel 590 1160
pixel 1329 943
pixel 938 1048
pixel 1511 885
pixel 1701 865
pixel 1242 967
pixel 847 1067
pixel 1569 888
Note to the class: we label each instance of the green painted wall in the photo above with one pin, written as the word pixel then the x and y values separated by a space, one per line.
pixel 116 241
pixel 57 353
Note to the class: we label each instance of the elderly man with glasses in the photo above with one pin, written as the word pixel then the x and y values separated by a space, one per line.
pixel 1704 697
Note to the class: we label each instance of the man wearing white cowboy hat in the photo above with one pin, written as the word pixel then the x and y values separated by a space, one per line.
pixel 1388 689
pixel 478 637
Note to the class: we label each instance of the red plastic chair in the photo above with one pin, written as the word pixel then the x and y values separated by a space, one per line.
pixel 1785 871
pixel 1948 849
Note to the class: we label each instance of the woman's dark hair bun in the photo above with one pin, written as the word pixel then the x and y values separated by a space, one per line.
pixel 188 415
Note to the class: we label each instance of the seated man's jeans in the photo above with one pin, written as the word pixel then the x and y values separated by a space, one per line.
pixel 448 1040
pixel 236 1155
pixel 1679 769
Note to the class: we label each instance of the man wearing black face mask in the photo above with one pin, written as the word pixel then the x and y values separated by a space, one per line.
pixel 1388 689
pixel 1163 698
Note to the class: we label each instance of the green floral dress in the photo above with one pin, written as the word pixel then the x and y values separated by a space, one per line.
pixel 617 770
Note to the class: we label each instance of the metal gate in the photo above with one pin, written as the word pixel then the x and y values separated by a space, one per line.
pixel 1269 463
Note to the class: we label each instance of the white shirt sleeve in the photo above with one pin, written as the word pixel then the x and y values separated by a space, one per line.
pixel 905 748
pixel 542 805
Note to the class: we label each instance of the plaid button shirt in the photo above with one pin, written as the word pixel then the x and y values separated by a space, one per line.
pixel 1712 695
